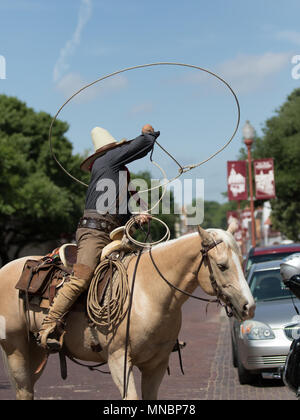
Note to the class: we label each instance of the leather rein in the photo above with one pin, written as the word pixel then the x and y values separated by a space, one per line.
pixel 205 258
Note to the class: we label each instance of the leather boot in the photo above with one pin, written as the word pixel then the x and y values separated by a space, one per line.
pixel 52 330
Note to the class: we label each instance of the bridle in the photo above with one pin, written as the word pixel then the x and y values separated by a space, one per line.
pixel 205 259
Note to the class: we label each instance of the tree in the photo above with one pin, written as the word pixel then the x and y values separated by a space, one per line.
pixel 281 140
pixel 215 214
pixel 37 202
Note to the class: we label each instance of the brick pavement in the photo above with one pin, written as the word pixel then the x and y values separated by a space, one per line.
pixel 209 374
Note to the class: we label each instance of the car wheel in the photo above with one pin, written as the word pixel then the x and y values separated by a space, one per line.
pixel 245 376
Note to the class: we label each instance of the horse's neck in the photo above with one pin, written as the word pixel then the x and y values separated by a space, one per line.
pixel 178 261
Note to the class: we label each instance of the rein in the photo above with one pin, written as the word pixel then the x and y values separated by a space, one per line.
pixel 205 257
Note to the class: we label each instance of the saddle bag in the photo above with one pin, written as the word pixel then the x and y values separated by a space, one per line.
pixel 291 373
pixel 39 277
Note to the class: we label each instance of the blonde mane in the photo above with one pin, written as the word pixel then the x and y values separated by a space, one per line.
pixel 216 234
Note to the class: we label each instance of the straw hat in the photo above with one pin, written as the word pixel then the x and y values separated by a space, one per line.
pixel 103 141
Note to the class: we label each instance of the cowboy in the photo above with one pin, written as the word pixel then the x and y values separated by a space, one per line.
pixel 106 208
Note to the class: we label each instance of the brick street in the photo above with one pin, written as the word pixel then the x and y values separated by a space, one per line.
pixel 209 374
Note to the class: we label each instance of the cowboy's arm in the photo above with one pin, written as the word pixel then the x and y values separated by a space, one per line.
pixel 135 149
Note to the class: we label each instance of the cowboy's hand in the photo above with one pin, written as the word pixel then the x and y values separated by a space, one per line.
pixel 143 218
pixel 147 129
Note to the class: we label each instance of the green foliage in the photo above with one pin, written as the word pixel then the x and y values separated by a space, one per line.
pixel 281 140
pixel 37 201
pixel 215 214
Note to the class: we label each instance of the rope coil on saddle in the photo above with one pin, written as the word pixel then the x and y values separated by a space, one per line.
pixel 114 306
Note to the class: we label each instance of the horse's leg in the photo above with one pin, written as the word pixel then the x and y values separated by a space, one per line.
pixel 152 375
pixel 22 358
pixel 116 366
pixel 38 359
pixel 18 365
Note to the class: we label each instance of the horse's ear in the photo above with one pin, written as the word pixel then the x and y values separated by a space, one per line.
pixel 233 227
pixel 205 236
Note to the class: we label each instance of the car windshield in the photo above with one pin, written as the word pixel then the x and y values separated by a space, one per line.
pixel 267 285
pixel 266 257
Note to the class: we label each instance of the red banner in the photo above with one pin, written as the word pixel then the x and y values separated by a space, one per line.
pixel 237 180
pixel 264 178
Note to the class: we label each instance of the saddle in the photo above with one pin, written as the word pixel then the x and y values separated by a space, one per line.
pixel 41 279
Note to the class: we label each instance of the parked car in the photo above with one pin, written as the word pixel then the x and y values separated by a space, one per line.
pixel 269 253
pixel 260 345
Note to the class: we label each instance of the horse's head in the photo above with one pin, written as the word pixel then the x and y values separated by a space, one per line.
pixel 223 275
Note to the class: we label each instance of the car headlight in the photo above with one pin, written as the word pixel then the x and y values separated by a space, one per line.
pixel 254 330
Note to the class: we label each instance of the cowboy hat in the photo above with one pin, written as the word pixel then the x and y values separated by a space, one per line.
pixel 103 141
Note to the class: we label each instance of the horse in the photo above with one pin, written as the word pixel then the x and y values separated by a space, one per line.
pixel 164 280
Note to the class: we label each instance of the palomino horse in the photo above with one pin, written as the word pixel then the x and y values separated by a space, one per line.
pixel 155 313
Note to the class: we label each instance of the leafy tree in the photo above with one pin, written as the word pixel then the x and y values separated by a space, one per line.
pixel 37 202
pixel 281 140
pixel 215 214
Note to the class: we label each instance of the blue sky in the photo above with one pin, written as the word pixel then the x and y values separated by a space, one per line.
pixel 53 48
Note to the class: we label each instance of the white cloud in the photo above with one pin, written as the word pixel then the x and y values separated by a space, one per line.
pixel 291 36
pixel 72 82
pixel 141 108
pixel 84 15
pixel 245 73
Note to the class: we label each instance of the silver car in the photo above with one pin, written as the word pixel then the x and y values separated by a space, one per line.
pixel 260 345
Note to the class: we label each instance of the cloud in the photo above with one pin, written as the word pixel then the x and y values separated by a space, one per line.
pixel 245 73
pixel 72 82
pixel 62 65
pixel 142 108
pixel 291 36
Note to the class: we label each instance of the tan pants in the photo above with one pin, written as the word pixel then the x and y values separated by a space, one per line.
pixel 90 243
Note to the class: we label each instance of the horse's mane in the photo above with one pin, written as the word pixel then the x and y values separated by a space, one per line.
pixel 226 237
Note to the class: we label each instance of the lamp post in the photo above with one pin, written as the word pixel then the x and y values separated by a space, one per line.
pixel 249 133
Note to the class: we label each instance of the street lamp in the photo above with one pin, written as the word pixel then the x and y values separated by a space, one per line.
pixel 248 134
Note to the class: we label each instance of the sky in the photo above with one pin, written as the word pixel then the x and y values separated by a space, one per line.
pixel 51 49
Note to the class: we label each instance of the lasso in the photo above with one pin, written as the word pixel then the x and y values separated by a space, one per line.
pixel 182 168
pixel 114 307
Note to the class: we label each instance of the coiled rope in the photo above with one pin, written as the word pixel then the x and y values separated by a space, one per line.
pixel 114 306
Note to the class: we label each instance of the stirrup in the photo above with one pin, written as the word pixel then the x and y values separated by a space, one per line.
pixel 53 341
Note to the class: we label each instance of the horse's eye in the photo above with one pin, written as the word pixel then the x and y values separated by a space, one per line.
pixel 222 267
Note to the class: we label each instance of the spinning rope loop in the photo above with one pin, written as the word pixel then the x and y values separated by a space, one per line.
pixel 182 169
pixel 132 221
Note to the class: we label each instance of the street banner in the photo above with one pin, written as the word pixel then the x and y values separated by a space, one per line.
pixel 237 180
pixel 264 178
